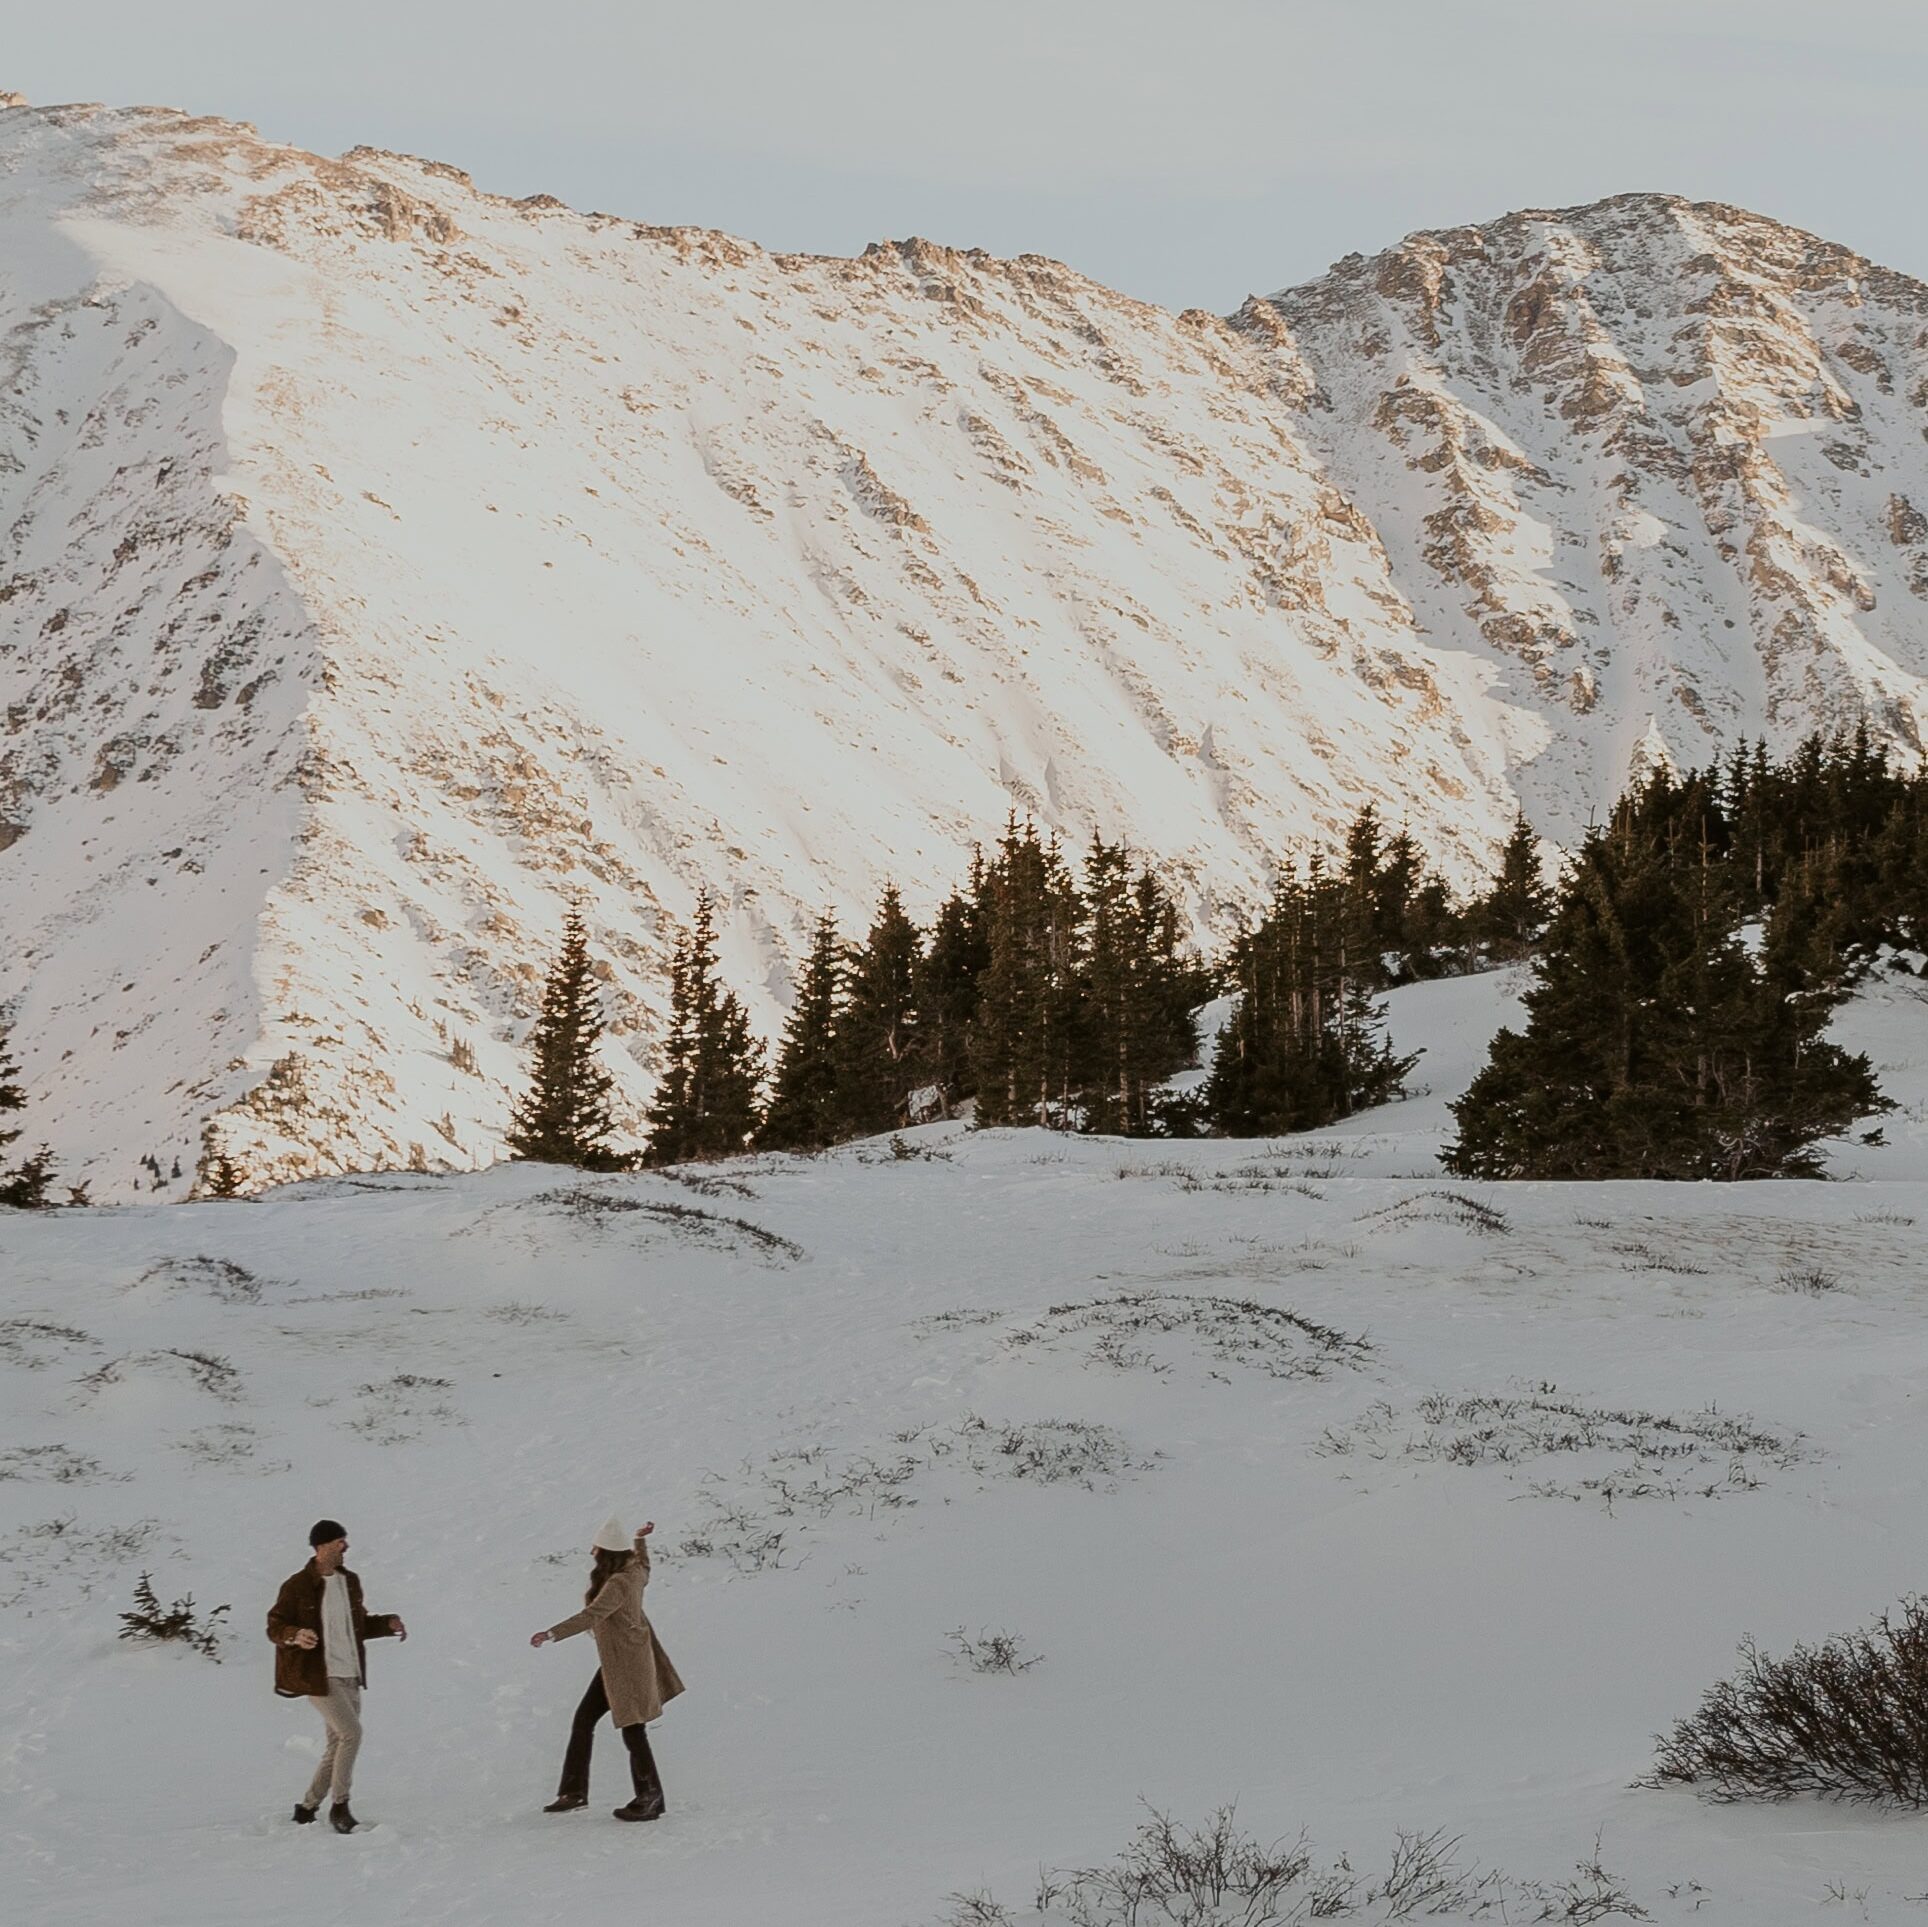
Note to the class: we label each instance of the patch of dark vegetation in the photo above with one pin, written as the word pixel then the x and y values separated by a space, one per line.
pixel 1812 1280
pixel 58 1464
pixel 38 1342
pixel 1645 1454
pixel 231 1283
pixel 63 1550
pixel 397 1410
pixel 1439 1206
pixel 990 1652
pixel 181 1623
pixel 208 1371
pixel 1219 1875
pixel 1234 1331
pixel 710 1227
pixel 1842 1718
pixel 752 1520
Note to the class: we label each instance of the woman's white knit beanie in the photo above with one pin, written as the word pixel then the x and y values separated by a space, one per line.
pixel 612 1538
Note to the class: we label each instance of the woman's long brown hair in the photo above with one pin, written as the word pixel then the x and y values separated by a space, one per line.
pixel 606 1567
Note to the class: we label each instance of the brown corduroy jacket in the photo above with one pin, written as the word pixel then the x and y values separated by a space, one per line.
pixel 302 1672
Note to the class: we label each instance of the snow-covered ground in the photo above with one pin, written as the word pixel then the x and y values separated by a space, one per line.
pixel 1260 1588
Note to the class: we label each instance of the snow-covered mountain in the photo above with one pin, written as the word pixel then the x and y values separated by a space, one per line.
pixel 386 562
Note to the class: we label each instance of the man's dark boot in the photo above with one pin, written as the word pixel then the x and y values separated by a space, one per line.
pixel 567 1803
pixel 340 1818
pixel 641 1809
pixel 304 1816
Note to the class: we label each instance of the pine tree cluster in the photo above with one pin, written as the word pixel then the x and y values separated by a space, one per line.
pixel 1699 943
pixel 23 1185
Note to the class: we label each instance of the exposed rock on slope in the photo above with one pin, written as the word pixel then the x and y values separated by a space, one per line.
pixel 387 561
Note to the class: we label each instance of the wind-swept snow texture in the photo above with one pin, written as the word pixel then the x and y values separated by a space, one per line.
pixel 1011 1383
pixel 386 562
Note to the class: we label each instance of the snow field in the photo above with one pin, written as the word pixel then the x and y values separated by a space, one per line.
pixel 471 1371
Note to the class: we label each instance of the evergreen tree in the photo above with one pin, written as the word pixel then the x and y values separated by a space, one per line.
pixel 1305 1045
pixel 1656 1046
pixel 807 1107
pixel 25 1186
pixel 947 985
pixel 706 1099
pixel 1507 921
pixel 216 1175
pixel 883 1049
pixel 1136 1025
pixel 1024 1042
pixel 564 1116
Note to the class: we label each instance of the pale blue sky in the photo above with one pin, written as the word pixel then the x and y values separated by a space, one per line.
pixel 1186 152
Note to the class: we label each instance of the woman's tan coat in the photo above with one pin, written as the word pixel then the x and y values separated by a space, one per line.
pixel 636 1671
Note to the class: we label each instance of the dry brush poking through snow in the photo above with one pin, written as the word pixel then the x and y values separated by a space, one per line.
pixel 1219 1875
pixel 1622 1454
pixel 1117 1331
pixel 1843 1717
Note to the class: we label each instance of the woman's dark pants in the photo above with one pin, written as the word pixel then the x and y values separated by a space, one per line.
pixel 575 1763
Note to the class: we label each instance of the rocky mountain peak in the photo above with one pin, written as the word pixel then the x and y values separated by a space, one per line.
pixel 391 562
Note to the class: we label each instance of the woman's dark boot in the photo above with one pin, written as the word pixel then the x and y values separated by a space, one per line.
pixel 567 1803
pixel 643 1778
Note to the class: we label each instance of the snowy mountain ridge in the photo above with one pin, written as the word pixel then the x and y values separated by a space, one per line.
pixel 387 563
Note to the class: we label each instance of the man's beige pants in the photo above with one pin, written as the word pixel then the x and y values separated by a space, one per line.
pixel 340 1710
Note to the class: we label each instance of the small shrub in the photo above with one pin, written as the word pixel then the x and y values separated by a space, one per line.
pixel 57 1463
pixel 991 1652
pixel 1814 1280
pixel 1843 1718
pixel 152 1621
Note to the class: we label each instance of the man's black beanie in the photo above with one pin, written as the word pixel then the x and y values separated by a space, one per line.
pixel 325 1531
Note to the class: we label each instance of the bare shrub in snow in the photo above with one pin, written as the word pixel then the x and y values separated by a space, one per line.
pixel 903 1151
pixel 1650 1454
pixel 1643 1257
pixel 707 1184
pixel 991 1652
pixel 222 1445
pixel 231 1283
pixel 1438 1206
pixel 751 1521
pixel 63 1550
pixel 211 1373
pixel 1047 1451
pixel 57 1463
pixel 181 1622
pixel 965 1315
pixel 976 1910
pixel 396 1410
pixel 706 1227
pixel 1236 1331
pixel 515 1312
pixel 1813 1280
pixel 1842 1718
pixel 37 1342
pixel 1218 1875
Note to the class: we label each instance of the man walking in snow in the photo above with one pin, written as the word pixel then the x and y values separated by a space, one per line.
pixel 319 1629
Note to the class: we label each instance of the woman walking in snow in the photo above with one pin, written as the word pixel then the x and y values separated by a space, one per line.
pixel 632 1681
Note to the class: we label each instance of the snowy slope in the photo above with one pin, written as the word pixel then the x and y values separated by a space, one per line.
pixel 386 562
pixel 1349 1641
